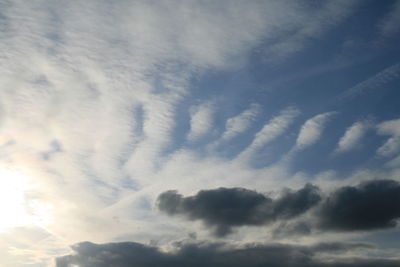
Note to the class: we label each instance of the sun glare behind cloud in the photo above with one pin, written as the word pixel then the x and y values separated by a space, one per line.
pixel 16 208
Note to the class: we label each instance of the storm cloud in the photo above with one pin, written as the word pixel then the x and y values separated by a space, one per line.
pixel 126 254
pixel 370 205
pixel 224 208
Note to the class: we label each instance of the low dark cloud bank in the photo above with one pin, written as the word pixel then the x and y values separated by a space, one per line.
pixel 130 254
pixel 224 208
pixel 368 206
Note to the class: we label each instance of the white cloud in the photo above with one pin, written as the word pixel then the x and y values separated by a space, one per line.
pixel 392 145
pixel 240 123
pixel 271 130
pixel 312 130
pixel 157 126
pixel 303 25
pixel 352 136
pixel 29 244
pixel 201 121
pixel 394 163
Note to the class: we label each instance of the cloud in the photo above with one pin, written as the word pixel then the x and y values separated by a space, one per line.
pixel 312 130
pixel 383 77
pixel 292 204
pixel 352 136
pixel 126 254
pixel 392 145
pixel 221 208
pixel 201 121
pixel 239 124
pixel 390 24
pixel 329 15
pixel 368 206
pixel 105 82
pixel 224 208
pixel 31 245
pixel 271 130
pixel 275 127
pixel 108 82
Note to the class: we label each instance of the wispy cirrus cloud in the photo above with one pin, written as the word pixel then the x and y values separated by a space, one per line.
pixel 312 130
pixel 352 136
pixel 383 77
pixel 392 145
pixel 271 130
pixel 201 121
pixel 240 123
pixel 390 24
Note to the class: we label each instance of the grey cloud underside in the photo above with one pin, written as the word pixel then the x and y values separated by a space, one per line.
pixel 370 205
pixel 224 208
pixel 210 254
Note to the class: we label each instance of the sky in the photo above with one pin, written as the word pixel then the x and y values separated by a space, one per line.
pixel 199 133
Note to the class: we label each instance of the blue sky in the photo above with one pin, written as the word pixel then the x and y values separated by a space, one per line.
pixel 106 106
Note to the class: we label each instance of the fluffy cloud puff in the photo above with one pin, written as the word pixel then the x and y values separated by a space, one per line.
pixel 370 205
pixel 224 208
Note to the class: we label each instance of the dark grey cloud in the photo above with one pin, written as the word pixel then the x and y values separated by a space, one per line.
pixel 370 205
pixel 224 208
pixel 294 203
pixel 292 229
pixel 130 254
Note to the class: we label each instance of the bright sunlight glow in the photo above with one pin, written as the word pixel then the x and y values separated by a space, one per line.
pixel 16 208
